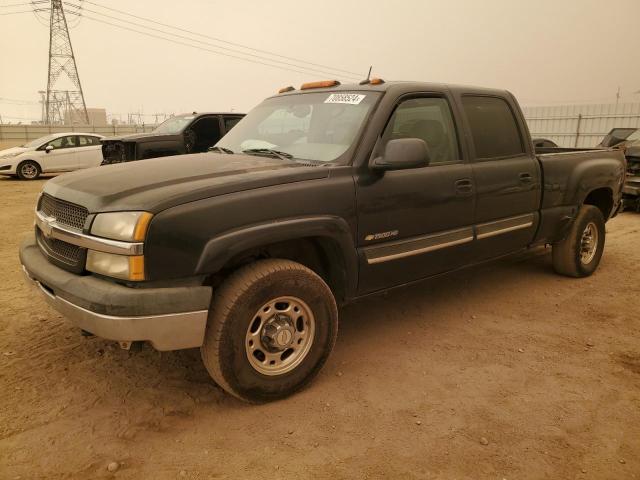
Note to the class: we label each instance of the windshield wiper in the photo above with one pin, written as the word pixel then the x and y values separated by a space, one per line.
pixel 269 152
pixel 221 150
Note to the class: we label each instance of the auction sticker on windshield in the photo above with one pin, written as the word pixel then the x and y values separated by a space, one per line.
pixel 350 98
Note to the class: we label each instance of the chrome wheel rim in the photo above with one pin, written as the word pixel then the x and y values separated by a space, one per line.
pixel 280 335
pixel 588 243
pixel 29 170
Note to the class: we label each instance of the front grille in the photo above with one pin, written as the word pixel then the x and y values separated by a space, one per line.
pixel 68 256
pixel 65 213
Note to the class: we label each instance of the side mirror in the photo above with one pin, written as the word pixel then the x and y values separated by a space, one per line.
pixel 403 153
pixel 48 148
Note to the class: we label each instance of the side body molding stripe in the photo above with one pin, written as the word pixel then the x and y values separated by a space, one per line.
pixel 491 229
pixel 428 243
pixel 415 246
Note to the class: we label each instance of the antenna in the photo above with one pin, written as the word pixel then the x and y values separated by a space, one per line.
pixel 368 79
pixel 63 68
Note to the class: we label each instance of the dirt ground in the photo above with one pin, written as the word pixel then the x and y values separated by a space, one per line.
pixel 502 371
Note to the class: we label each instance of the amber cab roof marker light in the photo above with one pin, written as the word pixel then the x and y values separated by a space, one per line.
pixel 321 84
pixel 372 81
pixel 286 89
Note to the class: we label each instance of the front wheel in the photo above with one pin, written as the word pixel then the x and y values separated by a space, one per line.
pixel 579 254
pixel 28 170
pixel 271 327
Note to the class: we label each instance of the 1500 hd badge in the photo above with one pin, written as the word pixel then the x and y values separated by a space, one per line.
pixel 381 235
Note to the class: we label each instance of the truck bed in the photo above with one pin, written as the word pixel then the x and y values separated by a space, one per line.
pixel 568 176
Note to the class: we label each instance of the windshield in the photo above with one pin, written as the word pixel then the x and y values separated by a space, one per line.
pixel 311 126
pixel 634 137
pixel 40 141
pixel 174 124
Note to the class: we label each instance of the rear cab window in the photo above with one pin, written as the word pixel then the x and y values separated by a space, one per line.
pixel 493 127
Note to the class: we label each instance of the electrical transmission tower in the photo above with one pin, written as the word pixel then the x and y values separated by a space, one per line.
pixel 65 100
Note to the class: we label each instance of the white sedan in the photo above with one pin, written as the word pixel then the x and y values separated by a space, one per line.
pixel 60 152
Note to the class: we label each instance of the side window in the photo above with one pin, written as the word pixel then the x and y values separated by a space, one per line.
pixel 493 127
pixel 86 141
pixel 230 122
pixel 63 142
pixel 429 119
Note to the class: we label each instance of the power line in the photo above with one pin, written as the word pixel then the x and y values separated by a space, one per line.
pixel 27 11
pixel 213 45
pixel 196 46
pixel 24 4
pixel 358 75
pixel 15 101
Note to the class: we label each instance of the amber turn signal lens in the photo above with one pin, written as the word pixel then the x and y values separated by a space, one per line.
pixel 322 84
pixel 141 227
pixel 376 81
pixel 136 268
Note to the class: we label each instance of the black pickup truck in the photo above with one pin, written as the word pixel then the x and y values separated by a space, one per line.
pixel 180 134
pixel 318 197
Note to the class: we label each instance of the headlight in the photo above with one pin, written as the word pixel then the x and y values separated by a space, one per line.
pixel 126 226
pixel 118 266
pixel 10 155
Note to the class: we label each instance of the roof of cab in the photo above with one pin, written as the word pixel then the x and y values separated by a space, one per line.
pixel 399 87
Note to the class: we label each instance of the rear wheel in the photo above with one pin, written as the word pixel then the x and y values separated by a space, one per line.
pixel 28 170
pixel 579 254
pixel 271 327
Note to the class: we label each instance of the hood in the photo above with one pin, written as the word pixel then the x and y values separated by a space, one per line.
pixel 156 184
pixel 13 150
pixel 138 137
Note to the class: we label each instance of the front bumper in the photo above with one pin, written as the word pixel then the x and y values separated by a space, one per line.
pixel 7 168
pixel 169 318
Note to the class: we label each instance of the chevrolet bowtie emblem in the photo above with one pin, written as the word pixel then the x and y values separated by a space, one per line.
pixel 46 225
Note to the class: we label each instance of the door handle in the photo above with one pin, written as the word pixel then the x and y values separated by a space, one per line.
pixel 526 177
pixel 464 186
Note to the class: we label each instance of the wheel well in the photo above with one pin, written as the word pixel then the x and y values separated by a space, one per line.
pixel 601 198
pixel 320 254
pixel 29 160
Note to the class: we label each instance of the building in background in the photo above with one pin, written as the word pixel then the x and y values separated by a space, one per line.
pixel 97 117
pixel 581 126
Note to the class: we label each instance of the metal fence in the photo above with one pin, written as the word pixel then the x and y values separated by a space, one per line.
pixel 13 135
pixel 580 125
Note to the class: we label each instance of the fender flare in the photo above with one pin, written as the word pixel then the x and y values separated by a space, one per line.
pixel 589 176
pixel 219 250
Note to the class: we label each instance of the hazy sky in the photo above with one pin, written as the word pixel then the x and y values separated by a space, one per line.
pixel 545 51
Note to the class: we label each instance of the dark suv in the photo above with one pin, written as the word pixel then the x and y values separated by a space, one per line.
pixel 187 133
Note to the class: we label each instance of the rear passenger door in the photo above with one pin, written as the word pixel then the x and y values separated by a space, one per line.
pixel 417 222
pixel 89 151
pixel 507 175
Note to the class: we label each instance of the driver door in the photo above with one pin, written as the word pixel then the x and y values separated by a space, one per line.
pixel 417 222
pixel 63 155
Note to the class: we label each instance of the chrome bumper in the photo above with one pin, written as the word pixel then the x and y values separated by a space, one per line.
pixel 172 331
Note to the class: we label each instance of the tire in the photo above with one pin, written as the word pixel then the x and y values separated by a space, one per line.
pixel 28 170
pixel 237 330
pixel 579 254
